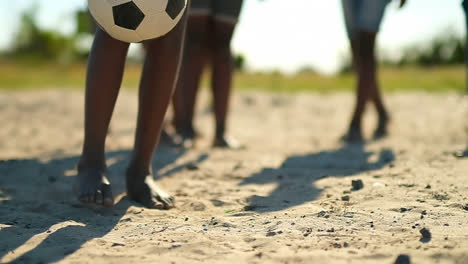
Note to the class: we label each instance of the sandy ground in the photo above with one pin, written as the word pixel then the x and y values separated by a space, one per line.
pixel 286 198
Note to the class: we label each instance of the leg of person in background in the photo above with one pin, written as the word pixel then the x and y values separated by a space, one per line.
pixel 369 79
pixel 351 9
pixel 159 78
pixel 196 57
pixel 354 133
pixel 363 19
pixel 223 66
pixel 104 76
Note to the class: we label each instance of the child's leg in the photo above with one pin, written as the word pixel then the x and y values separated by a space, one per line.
pixel 104 76
pixel 195 58
pixel 354 133
pixel 157 85
pixel 222 79
pixel 368 87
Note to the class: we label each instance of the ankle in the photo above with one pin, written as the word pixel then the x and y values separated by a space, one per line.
pixel 384 117
pixel 138 171
pixel 95 163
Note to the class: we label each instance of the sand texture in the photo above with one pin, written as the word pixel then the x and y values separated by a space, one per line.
pixel 286 198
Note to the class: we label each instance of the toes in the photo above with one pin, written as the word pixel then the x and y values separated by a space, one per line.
pixel 108 198
pixel 99 198
pixel 159 205
pixel 167 202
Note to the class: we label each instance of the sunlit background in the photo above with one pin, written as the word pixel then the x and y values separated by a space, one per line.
pixel 283 35
pixel 280 45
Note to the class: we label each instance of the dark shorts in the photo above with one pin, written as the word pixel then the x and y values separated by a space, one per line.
pixel 224 10
pixel 363 15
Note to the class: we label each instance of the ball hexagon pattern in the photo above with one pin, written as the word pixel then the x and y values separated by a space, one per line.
pixel 128 15
pixel 137 20
pixel 174 7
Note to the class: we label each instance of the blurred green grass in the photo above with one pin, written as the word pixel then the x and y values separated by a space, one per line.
pixel 27 76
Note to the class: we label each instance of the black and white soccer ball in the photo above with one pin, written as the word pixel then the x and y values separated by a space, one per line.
pixel 137 20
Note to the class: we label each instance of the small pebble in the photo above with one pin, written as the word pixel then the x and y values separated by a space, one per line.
pixel 426 234
pixel 357 185
pixel 403 259
pixel 192 167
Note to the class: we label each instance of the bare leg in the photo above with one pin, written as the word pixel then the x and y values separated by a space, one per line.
pixel 223 65
pixel 365 64
pixel 158 82
pixel 166 137
pixel 195 59
pixel 369 74
pixel 354 133
pixel 104 77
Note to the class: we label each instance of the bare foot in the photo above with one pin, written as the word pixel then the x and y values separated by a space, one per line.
pixel 461 154
pixel 382 128
pixel 143 189
pixel 226 142
pixel 172 140
pixel 187 141
pixel 353 136
pixel 92 186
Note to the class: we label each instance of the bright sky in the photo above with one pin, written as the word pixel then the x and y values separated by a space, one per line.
pixel 285 34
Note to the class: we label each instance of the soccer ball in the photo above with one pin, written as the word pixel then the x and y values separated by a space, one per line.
pixel 137 20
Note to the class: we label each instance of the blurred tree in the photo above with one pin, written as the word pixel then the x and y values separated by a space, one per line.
pixel 239 62
pixel 33 42
pixel 84 22
pixel 445 49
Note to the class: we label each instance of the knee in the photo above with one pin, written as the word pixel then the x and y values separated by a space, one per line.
pixel 222 36
pixel 222 48
pixel 366 46
pixel 221 45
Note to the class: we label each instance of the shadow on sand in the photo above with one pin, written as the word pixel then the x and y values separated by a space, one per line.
pixel 295 178
pixel 37 196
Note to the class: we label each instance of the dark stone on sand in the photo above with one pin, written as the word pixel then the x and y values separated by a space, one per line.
pixel 198 206
pixel 345 198
pixel 336 245
pixel 270 234
pixel 403 209
pixel 192 167
pixel 465 207
pixel 217 203
pixel 118 245
pixel 403 259
pixel 322 214
pixel 426 235
pixel 441 197
pixel 357 185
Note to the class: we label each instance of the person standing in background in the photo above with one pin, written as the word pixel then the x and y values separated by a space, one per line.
pixel 363 19
pixel 208 43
